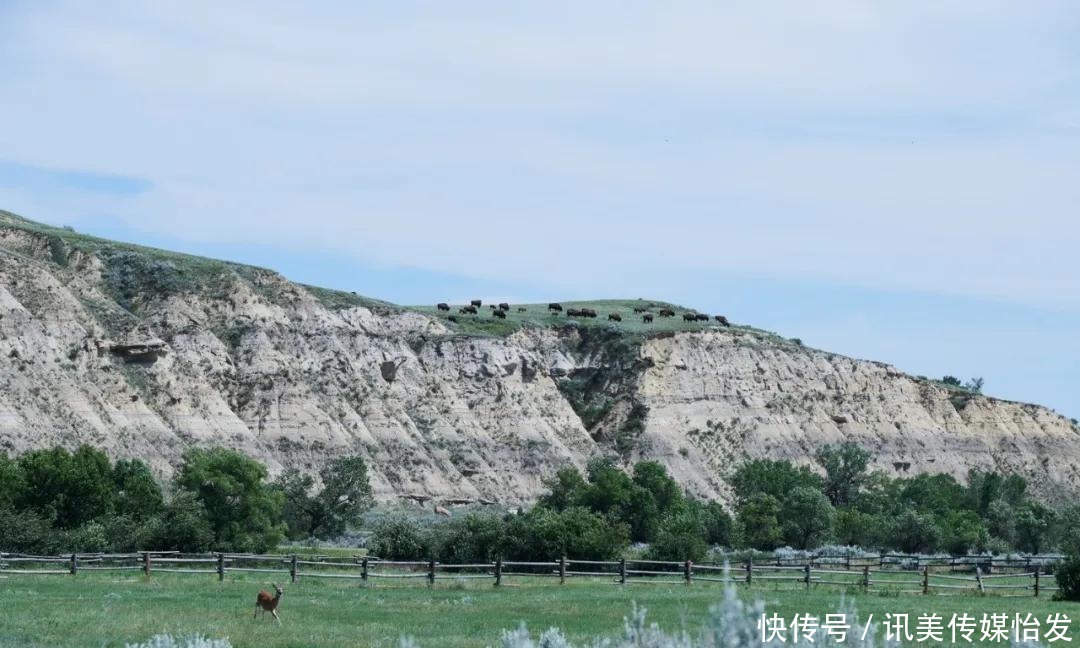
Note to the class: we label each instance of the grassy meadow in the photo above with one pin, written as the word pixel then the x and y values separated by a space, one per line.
pixel 102 610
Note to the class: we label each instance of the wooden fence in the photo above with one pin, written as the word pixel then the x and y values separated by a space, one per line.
pixel 1026 577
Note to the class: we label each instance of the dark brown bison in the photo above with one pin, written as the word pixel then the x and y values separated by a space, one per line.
pixel 647 318
pixel 574 312
pixel 702 317
pixel 555 307
pixel 522 309
pixel 588 312
pixel 667 312
pixel 640 309
pixel 504 306
pixel 614 317
pixel 723 320
pixel 443 306
pixel 477 303
pixel 452 318
pixel 689 317
pixel 501 314
pixel 467 310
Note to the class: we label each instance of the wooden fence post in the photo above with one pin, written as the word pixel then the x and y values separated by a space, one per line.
pixel 363 570
pixel 1036 581
pixel 562 570
pixel 806 575
pixel 431 572
pixel 146 563
pixel 866 577
pixel 622 571
pixel 750 570
pixel 978 579
pixel 688 571
pixel 926 580
pixel 221 566
pixel 292 568
pixel 74 564
pixel 498 572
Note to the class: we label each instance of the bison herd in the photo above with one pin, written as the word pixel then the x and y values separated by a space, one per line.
pixel 499 311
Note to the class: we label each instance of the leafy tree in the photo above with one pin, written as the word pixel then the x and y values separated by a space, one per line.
pixel 1033 525
pixel 564 489
pixel 952 381
pixel 137 492
pixel 854 527
pixel 665 491
pixel 975 385
pixel 477 537
pixel 243 511
pixel 939 494
pixel 681 537
pixel 67 488
pixel 915 532
pixel 1001 521
pixel 775 478
pixel 718 525
pixel 759 523
pixel 575 533
pixel 11 481
pixel 962 532
pixel 808 518
pixel 345 495
pixel 613 493
pixel 845 471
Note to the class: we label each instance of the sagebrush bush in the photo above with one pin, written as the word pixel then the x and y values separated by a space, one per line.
pixel 192 641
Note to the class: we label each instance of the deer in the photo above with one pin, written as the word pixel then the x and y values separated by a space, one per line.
pixel 268 603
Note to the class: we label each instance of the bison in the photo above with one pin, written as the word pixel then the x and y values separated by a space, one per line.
pixel 723 320
pixel 588 312
pixel 443 306
pixel 614 317
pixel 501 314
pixel 452 318
pixel 504 306
pixel 689 317
pixel 640 309
pixel 647 318
pixel 467 310
pixel 522 309
pixel 702 317
pixel 477 303
pixel 555 307
pixel 574 312
pixel 667 312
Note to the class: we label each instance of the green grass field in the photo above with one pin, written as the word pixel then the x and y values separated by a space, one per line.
pixel 100 610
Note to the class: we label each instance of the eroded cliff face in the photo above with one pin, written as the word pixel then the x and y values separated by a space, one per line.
pixel 146 355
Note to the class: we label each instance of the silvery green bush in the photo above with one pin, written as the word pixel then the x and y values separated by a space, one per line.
pixel 192 641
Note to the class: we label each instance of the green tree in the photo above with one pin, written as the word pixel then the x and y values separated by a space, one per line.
pixel 1001 521
pixel 854 527
pixel 345 495
pixel 681 537
pixel 963 532
pixel 915 532
pixel 775 478
pixel 11 482
pixel 718 525
pixel 243 511
pixel 67 488
pixel 808 518
pixel 400 538
pixel 1033 525
pixel 758 521
pixel 665 491
pixel 575 533
pixel 474 538
pixel 137 493
pixel 564 489
pixel 845 471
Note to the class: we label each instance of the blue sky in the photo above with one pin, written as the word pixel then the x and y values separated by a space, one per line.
pixel 895 182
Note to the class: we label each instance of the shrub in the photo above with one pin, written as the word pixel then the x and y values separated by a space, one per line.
pixel 915 532
pixel 962 532
pixel 399 538
pixel 1067 574
pixel 169 641
pixel 575 533
pixel 474 538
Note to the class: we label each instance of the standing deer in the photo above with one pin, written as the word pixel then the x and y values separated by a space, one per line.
pixel 269 603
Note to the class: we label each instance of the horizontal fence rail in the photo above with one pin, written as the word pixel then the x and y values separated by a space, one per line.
pixel 1030 576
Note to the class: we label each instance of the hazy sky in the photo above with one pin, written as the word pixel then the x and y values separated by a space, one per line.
pixel 896 181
